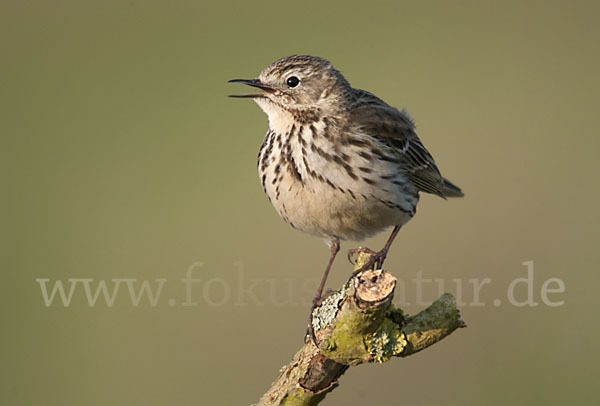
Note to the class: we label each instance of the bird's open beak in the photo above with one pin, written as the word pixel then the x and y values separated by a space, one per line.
pixel 253 83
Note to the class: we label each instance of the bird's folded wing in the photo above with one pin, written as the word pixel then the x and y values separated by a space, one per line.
pixel 396 132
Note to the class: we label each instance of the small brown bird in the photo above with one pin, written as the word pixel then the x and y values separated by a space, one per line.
pixel 338 162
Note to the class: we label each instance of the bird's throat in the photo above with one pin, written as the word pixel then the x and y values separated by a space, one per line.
pixel 280 120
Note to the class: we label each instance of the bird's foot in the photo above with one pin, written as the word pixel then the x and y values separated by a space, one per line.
pixel 310 330
pixel 375 261
pixel 359 250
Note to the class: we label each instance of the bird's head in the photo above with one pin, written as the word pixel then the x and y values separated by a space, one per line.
pixel 299 86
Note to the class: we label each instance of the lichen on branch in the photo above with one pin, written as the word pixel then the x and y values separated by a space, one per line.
pixel 355 325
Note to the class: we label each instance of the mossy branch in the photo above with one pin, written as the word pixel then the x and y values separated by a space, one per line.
pixel 358 324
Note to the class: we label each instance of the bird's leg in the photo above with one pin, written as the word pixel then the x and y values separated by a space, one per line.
pixel 335 248
pixel 383 253
pixel 377 258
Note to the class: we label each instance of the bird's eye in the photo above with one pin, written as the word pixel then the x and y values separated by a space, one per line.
pixel 293 81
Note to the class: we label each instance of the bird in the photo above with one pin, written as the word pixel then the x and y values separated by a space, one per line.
pixel 338 162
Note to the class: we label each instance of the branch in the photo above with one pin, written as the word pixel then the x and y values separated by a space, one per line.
pixel 355 325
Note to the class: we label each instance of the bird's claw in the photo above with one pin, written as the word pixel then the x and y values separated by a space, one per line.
pixel 360 250
pixel 310 331
pixel 376 260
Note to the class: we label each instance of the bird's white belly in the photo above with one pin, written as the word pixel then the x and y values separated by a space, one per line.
pixel 317 208
pixel 331 214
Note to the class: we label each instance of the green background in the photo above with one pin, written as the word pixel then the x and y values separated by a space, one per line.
pixel 121 157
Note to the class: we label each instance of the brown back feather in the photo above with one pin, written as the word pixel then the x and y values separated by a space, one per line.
pixel 395 129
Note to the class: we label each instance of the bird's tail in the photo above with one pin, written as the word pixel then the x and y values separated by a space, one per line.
pixel 451 190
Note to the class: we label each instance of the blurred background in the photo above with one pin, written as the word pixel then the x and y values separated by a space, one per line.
pixel 122 158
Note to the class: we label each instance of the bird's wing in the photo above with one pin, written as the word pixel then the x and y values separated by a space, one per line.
pixel 395 131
